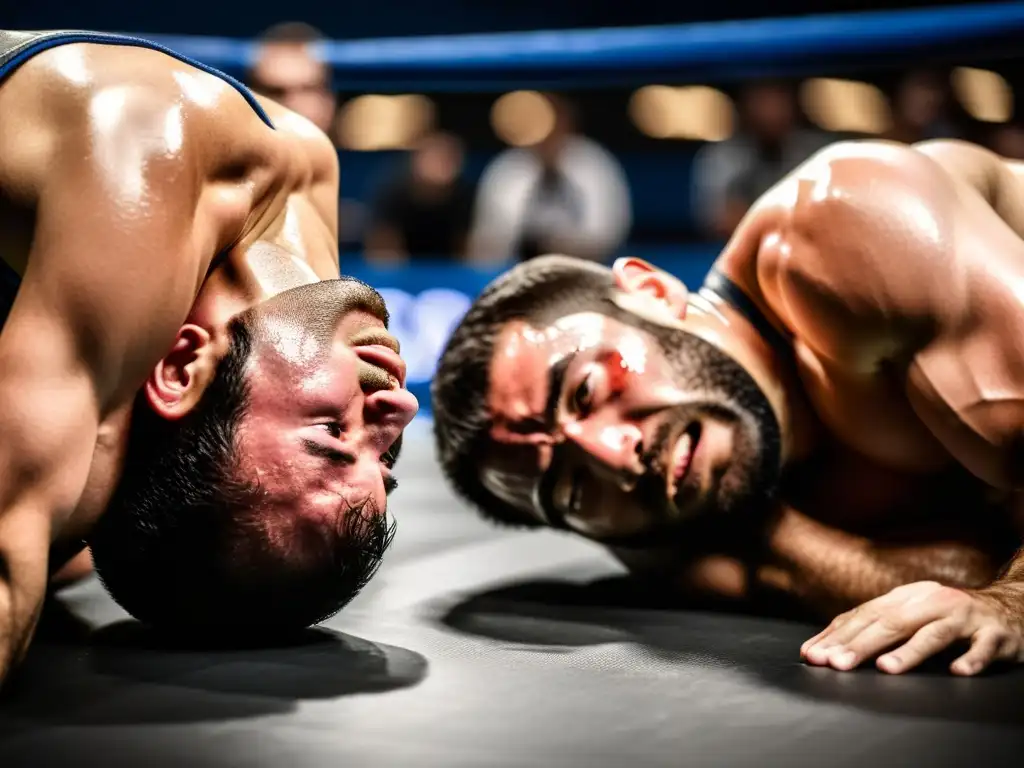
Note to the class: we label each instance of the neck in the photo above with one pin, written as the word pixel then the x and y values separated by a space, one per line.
pixel 757 342
pixel 262 272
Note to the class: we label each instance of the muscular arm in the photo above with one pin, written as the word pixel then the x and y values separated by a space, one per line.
pixel 830 570
pixel 901 270
pixel 985 416
pixel 124 234
pixel 820 569
pixel 999 181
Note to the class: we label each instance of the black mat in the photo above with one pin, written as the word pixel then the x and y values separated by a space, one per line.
pixel 478 648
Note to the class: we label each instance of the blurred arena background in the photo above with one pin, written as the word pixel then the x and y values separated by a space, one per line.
pixel 459 159
pixel 473 134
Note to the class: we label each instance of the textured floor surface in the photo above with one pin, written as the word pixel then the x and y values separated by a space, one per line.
pixel 477 648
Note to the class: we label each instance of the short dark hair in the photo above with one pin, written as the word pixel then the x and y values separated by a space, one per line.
pixel 288 33
pixel 540 291
pixel 297 32
pixel 183 544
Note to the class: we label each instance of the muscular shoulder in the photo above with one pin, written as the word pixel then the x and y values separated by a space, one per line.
pixel 869 199
pixel 117 102
pixel 308 144
pixel 865 231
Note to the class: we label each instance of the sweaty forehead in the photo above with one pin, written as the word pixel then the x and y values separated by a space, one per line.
pixel 523 357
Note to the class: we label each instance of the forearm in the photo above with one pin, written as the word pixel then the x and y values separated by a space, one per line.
pixel 25 537
pixel 830 571
pixel 17 623
pixel 48 426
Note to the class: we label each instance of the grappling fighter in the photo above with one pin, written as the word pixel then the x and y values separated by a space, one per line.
pixel 186 384
pixel 837 414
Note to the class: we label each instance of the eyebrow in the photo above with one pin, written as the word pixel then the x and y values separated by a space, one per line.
pixel 313 448
pixel 335 456
pixel 545 489
pixel 556 380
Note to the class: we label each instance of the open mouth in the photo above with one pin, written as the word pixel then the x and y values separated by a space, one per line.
pixel 681 458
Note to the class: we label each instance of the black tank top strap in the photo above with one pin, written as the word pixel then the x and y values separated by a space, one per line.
pixel 18 47
pixel 722 286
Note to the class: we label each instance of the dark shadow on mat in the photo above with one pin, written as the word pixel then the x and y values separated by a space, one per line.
pixel 612 610
pixel 127 674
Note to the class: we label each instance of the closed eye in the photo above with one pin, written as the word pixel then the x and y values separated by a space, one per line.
pixel 324 451
pixel 390 456
pixel 332 428
pixel 389 459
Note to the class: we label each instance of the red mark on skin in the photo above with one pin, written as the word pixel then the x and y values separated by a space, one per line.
pixel 618 371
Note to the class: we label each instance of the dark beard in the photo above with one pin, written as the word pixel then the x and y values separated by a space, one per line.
pixel 728 394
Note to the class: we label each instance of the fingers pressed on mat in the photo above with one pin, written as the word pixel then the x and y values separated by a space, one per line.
pixel 986 647
pixel 926 642
pixel 821 651
pixel 868 643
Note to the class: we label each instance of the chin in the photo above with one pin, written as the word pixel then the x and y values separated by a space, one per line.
pixel 740 488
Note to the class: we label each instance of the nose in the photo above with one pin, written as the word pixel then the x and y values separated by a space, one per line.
pixel 391 408
pixel 614 448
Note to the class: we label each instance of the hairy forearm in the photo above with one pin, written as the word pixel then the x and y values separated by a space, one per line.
pixel 831 571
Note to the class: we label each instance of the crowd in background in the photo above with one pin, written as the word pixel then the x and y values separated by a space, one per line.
pixel 567 193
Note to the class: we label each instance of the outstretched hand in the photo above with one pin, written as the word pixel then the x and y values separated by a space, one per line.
pixel 921 619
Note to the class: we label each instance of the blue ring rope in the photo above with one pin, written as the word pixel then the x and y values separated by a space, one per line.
pixel 729 48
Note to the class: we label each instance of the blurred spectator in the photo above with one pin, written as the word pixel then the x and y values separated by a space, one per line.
pixel 425 209
pixel 288 69
pixel 730 175
pixel 565 194
pixel 920 109
pixel 1008 141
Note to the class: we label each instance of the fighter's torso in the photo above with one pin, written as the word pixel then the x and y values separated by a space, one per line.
pixel 87 75
pixel 270 159
pixel 903 308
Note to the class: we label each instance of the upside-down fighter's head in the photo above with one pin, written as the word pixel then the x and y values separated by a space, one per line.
pixel 599 400
pixel 259 463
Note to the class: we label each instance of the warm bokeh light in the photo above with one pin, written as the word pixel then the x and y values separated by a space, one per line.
pixel 374 122
pixel 522 118
pixel 694 112
pixel 985 95
pixel 845 106
pixel 653 111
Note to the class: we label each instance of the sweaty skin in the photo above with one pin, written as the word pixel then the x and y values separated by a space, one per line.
pixel 897 275
pixel 143 203
pixel 900 274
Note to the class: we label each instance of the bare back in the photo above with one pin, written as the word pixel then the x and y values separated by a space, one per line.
pixel 899 273
pixel 134 189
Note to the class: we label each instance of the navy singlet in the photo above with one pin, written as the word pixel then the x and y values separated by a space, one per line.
pixel 18 47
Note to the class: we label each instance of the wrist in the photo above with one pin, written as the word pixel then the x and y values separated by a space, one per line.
pixel 1007 597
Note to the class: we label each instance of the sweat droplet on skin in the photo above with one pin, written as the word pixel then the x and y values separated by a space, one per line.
pixel 633 353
